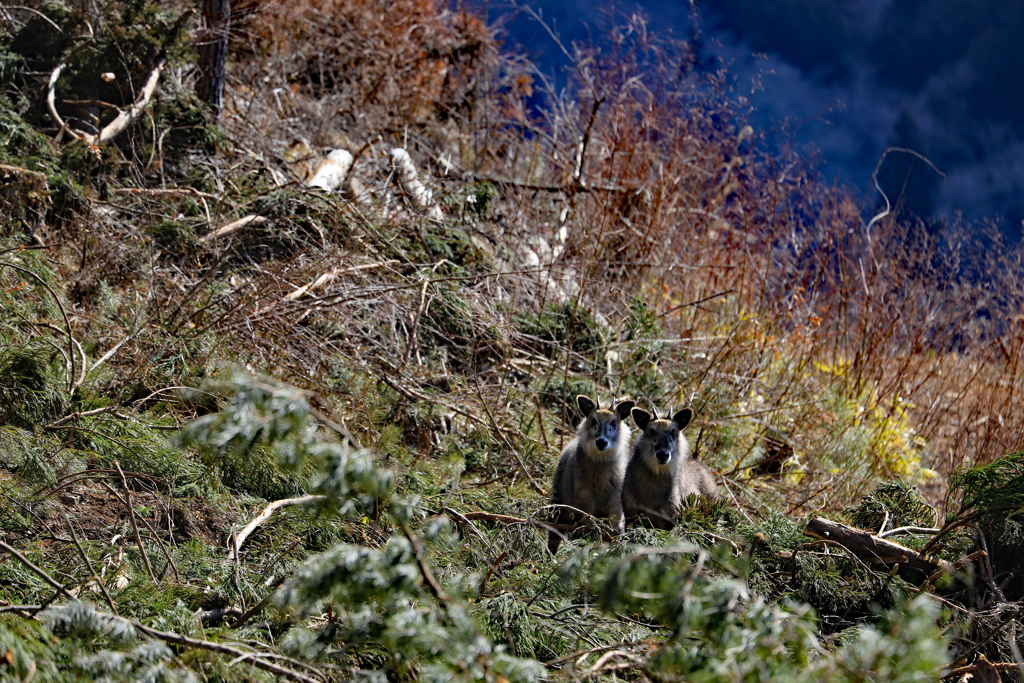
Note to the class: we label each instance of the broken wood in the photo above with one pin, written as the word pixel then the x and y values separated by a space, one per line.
pixel 24 172
pixel 127 500
pixel 913 566
pixel 124 118
pixel 322 281
pixel 232 227
pixel 409 181
pixel 240 537
pixel 332 171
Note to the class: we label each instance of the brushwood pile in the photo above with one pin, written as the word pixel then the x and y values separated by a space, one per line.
pixel 398 359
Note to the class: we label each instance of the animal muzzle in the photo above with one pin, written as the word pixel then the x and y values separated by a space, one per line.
pixel 663 456
pixel 601 443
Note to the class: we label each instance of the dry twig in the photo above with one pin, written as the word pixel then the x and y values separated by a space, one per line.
pixel 135 529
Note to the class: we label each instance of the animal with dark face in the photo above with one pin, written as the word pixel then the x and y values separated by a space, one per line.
pixel 661 472
pixel 588 477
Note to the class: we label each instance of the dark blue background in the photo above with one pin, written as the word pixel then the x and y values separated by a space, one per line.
pixel 850 78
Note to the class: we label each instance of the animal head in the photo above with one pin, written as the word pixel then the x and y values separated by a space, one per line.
pixel 661 441
pixel 602 433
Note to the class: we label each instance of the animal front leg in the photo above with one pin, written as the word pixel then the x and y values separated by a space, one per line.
pixel 617 515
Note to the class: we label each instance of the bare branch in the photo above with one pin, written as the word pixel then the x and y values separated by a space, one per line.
pixel 240 537
pixel 232 227
pixel 135 529
pixel 127 117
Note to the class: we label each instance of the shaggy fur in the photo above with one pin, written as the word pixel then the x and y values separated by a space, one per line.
pixel 589 473
pixel 661 472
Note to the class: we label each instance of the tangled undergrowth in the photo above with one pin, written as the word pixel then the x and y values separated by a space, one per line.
pixel 251 429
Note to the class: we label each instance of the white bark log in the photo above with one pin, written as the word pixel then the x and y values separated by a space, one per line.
pixel 332 171
pixel 409 181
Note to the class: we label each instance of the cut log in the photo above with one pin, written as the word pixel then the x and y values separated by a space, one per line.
pixel 332 171
pixel 914 567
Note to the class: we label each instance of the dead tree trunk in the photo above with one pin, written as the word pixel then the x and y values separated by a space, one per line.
pixel 913 566
pixel 212 46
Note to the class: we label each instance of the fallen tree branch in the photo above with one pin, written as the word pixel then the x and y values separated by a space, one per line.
pixel 164 192
pixel 332 171
pixel 51 89
pixel 331 275
pixel 428 576
pixel 128 116
pixel 67 320
pixel 240 537
pixel 814 544
pixel 18 170
pixel 959 564
pixel 253 657
pixel 124 118
pixel 914 567
pixel 156 537
pixel 232 227
pixel 88 563
pixel 258 607
pixel 85 413
pixel 408 180
pixel 601 664
pixel 508 444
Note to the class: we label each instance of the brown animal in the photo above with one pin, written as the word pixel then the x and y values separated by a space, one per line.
pixel 661 472
pixel 588 477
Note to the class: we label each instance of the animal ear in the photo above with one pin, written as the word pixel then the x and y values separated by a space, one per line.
pixel 623 409
pixel 586 405
pixel 682 418
pixel 641 417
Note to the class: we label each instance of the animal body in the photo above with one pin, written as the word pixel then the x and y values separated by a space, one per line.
pixel 589 473
pixel 661 472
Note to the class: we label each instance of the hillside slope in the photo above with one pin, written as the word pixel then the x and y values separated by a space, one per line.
pixel 262 429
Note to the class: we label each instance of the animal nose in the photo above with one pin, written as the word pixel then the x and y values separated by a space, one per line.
pixel 601 443
pixel 663 456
